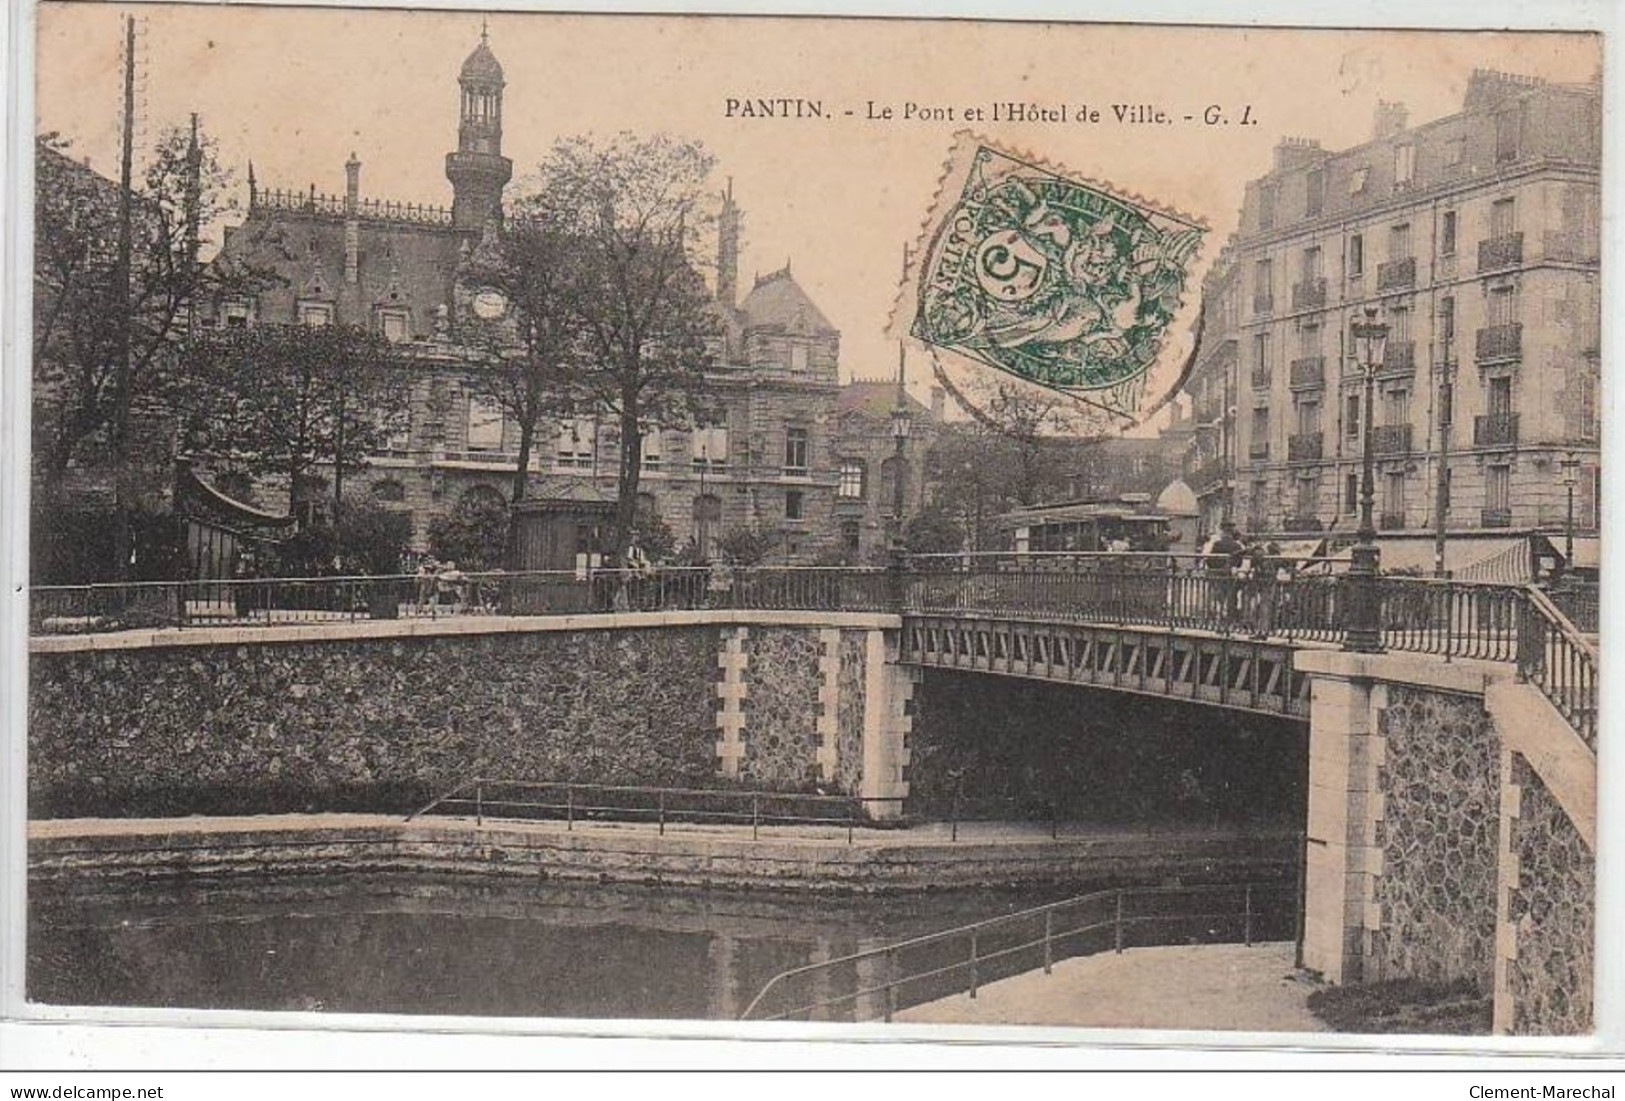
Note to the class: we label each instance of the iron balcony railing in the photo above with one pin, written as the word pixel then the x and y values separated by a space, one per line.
pixel 1261 378
pixel 1501 252
pixel 1258 450
pixel 1304 447
pixel 1391 521
pixel 880 982
pixel 1391 439
pixel 1495 430
pixel 1308 373
pixel 1495 517
pixel 1498 342
pixel 1310 294
pixel 1396 274
pixel 1399 357
pixel 1263 302
pixel 1578 603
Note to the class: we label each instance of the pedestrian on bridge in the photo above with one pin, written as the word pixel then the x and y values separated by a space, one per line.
pixel 1223 561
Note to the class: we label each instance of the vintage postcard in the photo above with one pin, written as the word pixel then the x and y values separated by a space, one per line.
pixel 890 524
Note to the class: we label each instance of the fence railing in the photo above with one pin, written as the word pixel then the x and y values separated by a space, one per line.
pixel 879 982
pixel 63 609
pixel 1555 657
pixel 570 802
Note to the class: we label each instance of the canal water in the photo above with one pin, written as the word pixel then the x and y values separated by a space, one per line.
pixel 433 946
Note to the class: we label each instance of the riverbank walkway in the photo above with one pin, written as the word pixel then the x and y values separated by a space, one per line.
pixel 1224 987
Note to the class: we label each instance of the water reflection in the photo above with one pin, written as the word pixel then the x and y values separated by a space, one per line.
pixel 414 945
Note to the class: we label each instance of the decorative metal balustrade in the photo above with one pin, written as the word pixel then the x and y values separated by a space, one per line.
pixel 1396 274
pixel 1310 294
pixel 1307 373
pixel 1498 342
pixel 1495 430
pixel 1555 657
pixel 1501 252
pixel 1399 358
pixel 1391 439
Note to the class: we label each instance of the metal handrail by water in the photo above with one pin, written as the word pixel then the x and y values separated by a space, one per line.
pixel 877 981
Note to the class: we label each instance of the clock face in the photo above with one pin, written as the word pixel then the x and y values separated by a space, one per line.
pixel 490 304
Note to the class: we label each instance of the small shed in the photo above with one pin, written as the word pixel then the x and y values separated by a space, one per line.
pixel 564 526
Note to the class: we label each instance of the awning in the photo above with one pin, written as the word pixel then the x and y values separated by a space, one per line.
pixel 1587 552
pixel 1505 561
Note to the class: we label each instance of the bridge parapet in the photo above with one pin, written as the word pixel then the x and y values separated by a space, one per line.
pixel 1420 862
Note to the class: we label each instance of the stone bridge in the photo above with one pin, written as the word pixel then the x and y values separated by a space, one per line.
pixel 1450 824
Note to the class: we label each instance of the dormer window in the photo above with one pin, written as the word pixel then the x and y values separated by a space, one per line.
pixel 395 325
pixel 314 315
pixel 235 313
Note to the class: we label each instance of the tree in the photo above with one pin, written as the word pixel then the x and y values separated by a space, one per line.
pixel 933 531
pixel 526 354
pixel 630 212
pixel 291 400
pixel 475 535
pixel 105 327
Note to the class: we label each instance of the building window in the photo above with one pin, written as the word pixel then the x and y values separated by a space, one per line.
pixel 792 504
pixel 1500 396
pixel 578 440
pixel 1447 322
pixel 315 314
pixel 1399 326
pixel 1404 166
pixel 1503 217
pixel 1351 493
pixel 1498 488
pixel 1261 430
pixel 1453 148
pixel 1393 493
pixel 1447 234
pixel 1308 417
pixel 1308 340
pixel 1351 417
pixel 795 451
pixel 1315 186
pixel 707 515
pixel 484 425
pixel 851 487
pixel 389 490
pixel 394 325
pixel 1356 256
pixel 1263 281
pixel 235 312
pixel 1399 241
pixel 1357 180
pixel 709 444
pixel 1266 207
pixel 798 357
pixel 1444 494
pixel 1396 405
pixel 395 430
pixel 1308 496
pixel 1503 306
pixel 651 445
pixel 851 535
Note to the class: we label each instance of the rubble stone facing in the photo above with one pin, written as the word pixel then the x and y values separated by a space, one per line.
pixel 1552 911
pixel 781 708
pixel 849 717
pixel 374 723
pixel 1438 834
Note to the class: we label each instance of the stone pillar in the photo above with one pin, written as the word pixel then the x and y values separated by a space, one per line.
pixel 1343 860
pixel 731 690
pixel 721 953
pixel 888 687
pixel 829 702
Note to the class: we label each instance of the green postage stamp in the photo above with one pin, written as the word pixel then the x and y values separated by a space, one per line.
pixel 1045 275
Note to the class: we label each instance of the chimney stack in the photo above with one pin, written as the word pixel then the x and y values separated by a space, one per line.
pixel 352 227
pixel 1391 119
pixel 1296 152
pixel 728 250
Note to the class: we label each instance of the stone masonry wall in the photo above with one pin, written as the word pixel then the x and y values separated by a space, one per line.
pixel 781 708
pixel 365 723
pixel 1552 910
pixel 1438 835
pixel 850 715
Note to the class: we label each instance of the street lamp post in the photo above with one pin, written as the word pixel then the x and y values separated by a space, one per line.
pixel 1571 471
pixel 901 424
pixel 1364 631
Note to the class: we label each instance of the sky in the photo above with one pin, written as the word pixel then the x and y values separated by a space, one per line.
pixel 839 197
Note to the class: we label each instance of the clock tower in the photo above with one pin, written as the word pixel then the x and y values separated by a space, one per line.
pixel 477 170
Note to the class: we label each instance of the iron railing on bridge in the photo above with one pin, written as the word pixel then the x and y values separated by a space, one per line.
pixel 64 609
pixel 1555 657
pixel 879 982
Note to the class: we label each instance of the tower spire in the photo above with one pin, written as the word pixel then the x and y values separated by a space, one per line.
pixel 477 169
